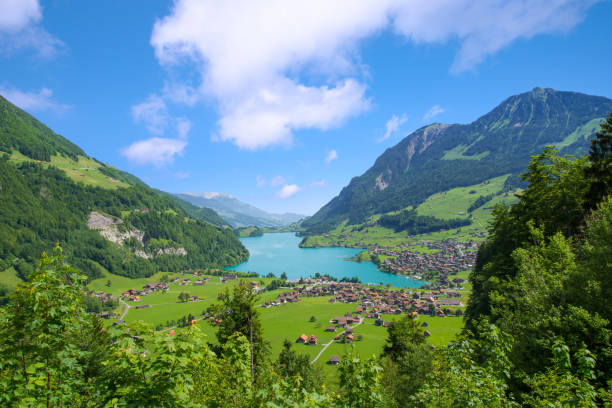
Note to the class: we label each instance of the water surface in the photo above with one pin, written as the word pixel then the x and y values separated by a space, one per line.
pixel 279 252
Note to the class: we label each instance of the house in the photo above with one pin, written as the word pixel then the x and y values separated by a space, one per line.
pixel 426 333
pixel 330 329
pixel 302 339
pixel 313 340
pixel 349 338
pixel 334 360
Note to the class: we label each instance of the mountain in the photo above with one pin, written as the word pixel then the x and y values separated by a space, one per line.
pixel 105 219
pixel 238 213
pixel 440 156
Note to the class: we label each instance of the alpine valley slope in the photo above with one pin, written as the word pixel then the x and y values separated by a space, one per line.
pixel 238 213
pixel 441 157
pixel 105 219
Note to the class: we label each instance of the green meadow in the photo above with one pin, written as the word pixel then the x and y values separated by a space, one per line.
pixel 287 321
pixel 85 170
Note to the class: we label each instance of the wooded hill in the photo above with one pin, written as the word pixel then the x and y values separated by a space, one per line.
pixel 440 157
pixel 50 188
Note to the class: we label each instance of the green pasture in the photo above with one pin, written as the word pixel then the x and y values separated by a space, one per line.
pixel 85 170
pixel 448 204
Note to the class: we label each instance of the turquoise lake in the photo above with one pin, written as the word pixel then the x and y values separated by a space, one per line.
pixel 279 252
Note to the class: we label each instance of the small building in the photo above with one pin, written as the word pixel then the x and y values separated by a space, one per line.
pixel 313 340
pixel 330 329
pixel 302 339
pixel 334 360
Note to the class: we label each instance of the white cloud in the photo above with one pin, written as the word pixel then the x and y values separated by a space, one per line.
pixel 288 190
pixel 157 151
pixel 153 113
pixel 332 155
pixel 250 57
pixel 19 29
pixel 183 126
pixel 433 112
pixel 34 101
pixel 321 183
pixel 393 126
pixel 17 14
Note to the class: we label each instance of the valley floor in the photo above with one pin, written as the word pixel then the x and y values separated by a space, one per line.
pixel 286 321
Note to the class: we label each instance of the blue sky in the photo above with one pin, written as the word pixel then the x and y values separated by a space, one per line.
pixel 282 104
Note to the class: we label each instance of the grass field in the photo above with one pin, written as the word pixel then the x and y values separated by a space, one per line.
pixel 449 204
pixel 85 170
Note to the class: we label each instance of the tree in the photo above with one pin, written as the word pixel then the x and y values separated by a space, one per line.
pixel 284 276
pixel 183 297
pixel 600 169
pixel 296 368
pixel 236 313
pixel 41 362
pixel 108 283
pixel 406 360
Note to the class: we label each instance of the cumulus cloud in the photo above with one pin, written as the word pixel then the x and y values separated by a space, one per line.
pixel 393 125
pixel 288 190
pixel 153 113
pixel 252 58
pixel 33 101
pixel 331 155
pixel 19 28
pixel 433 112
pixel 183 126
pixel 157 151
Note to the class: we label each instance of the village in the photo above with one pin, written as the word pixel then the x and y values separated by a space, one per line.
pixel 447 258
pixel 375 301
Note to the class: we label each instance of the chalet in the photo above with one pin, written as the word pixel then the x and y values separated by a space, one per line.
pixel 313 340
pixel 193 298
pixel 198 282
pixel 334 360
pixel 349 338
pixel 330 329
pixel 302 339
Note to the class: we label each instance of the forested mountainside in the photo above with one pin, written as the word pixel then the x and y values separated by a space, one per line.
pixel 238 213
pixel 439 157
pixel 51 192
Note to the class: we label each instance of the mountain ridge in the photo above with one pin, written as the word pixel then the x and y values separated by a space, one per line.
pixel 238 213
pixel 439 157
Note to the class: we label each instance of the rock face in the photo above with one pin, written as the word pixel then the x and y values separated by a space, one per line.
pixel 109 230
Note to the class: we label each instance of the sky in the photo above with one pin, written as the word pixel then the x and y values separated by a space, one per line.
pixel 280 103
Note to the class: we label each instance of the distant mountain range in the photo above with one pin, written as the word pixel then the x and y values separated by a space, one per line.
pixel 440 156
pixel 238 213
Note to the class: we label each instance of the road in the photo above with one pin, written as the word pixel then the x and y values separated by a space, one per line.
pixel 329 344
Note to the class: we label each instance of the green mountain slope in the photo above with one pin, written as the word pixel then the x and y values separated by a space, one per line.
pixel 440 157
pixel 104 218
pixel 238 213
